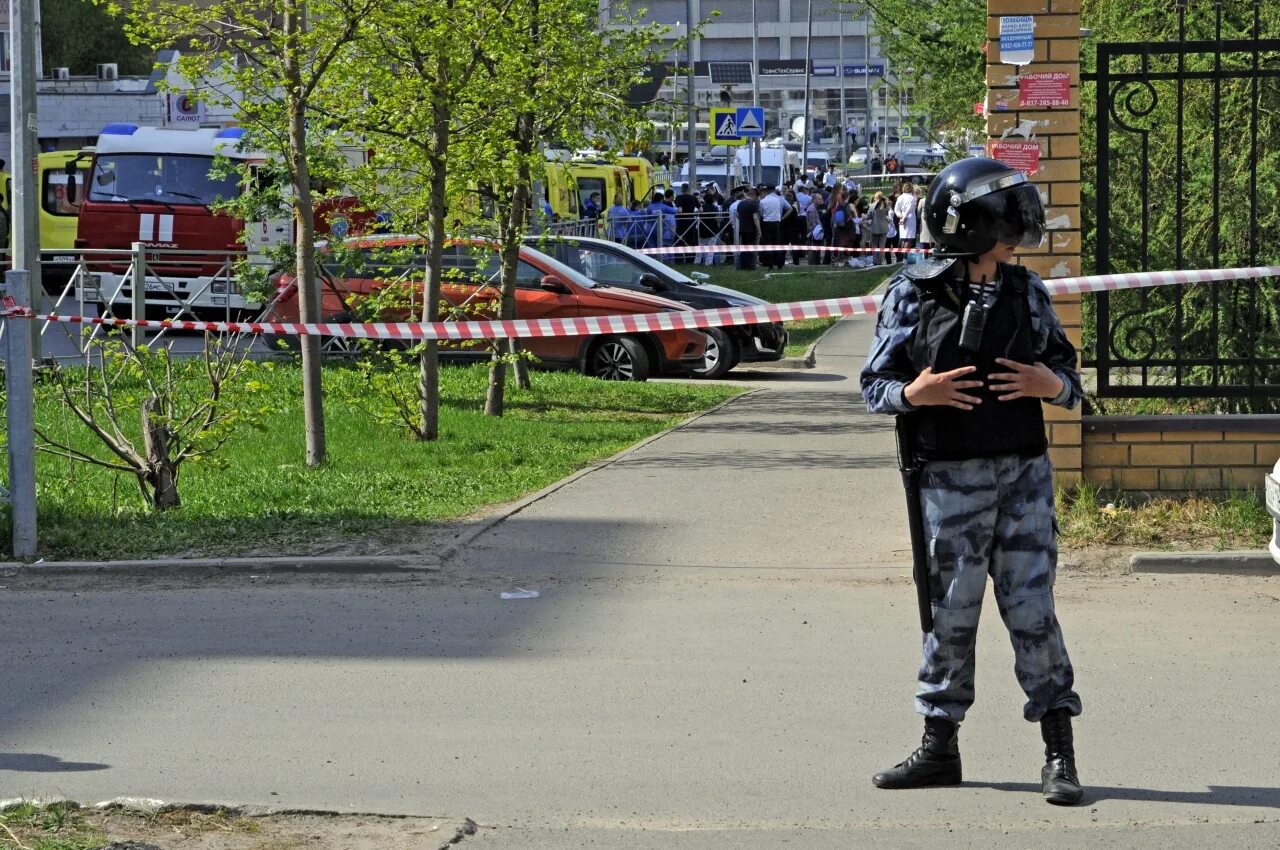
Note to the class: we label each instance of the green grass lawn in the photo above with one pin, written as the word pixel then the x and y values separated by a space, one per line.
pixel 377 480
pixel 801 283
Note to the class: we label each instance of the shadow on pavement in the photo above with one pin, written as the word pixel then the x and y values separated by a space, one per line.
pixel 128 624
pixel 798 377
pixel 1217 795
pixel 40 763
pixel 756 459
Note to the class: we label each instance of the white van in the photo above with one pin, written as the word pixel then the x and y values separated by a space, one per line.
pixel 775 167
pixel 714 170
pixel 816 163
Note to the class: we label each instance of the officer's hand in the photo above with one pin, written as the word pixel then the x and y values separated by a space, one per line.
pixel 1034 381
pixel 943 389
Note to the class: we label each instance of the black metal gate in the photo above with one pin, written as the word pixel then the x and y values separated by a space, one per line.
pixel 1187 175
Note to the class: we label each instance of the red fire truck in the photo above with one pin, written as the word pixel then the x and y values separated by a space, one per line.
pixel 160 187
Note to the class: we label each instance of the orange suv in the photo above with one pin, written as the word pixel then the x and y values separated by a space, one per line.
pixel 545 289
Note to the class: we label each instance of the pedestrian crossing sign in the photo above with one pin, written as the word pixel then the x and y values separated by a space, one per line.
pixel 724 127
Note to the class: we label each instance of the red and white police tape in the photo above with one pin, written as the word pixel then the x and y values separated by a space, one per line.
pixel 637 323
pixel 764 249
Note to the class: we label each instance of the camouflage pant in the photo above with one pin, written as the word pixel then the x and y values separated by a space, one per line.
pixel 992 516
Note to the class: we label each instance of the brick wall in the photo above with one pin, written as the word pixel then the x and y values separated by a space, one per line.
pixel 1057 48
pixel 1167 454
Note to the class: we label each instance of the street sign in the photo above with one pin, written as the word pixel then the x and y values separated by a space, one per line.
pixel 750 122
pixel 724 127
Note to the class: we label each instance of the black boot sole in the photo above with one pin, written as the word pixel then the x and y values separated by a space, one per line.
pixel 1064 798
pixel 941 778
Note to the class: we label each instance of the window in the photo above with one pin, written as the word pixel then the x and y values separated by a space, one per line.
pixel 477 265
pixel 588 185
pixel 602 266
pixel 159 178
pixel 527 276
pixel 53 194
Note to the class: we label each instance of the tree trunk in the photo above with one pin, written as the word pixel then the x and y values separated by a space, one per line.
pixel 521 367
pixel 429 359
pixel 161 473
pixel 510 230
pixel 294 24
pixel 493 397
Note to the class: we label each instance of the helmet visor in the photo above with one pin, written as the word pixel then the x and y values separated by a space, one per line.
pixel 1019 218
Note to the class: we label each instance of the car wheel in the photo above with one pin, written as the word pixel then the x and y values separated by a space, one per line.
pixel 720 356
pixel 619 358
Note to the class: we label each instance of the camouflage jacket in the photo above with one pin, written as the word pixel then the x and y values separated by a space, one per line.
pixel 888 369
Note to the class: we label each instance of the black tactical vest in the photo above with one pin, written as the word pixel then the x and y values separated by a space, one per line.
pixel 993 427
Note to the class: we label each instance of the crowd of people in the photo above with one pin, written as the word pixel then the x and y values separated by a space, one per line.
pixel 815 213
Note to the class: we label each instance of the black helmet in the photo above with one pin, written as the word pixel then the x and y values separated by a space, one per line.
pixel 976 202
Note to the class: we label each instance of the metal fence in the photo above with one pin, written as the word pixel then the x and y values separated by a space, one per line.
pixel 1181 128
pixel 145 282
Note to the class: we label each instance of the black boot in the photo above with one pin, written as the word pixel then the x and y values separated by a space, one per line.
pixel 1058 779
pixel 937 762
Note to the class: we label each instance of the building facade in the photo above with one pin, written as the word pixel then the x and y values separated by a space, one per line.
pixel 73 110
pixel 851 84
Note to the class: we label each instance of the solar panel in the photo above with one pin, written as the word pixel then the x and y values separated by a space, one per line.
pixel 730 73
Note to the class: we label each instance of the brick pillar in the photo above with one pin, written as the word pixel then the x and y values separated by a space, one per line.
pixel 1057 48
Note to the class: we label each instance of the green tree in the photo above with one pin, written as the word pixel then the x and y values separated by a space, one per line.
pixel 551 78
pixel 401 89
pixel 941 42
pixel 78 34
pixel 269 58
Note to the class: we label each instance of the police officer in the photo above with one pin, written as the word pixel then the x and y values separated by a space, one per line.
pixel 967 348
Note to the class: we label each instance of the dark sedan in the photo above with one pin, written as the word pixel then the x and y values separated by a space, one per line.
pixel 611 264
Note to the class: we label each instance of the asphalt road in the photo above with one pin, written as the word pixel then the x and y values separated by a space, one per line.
pixel 721 654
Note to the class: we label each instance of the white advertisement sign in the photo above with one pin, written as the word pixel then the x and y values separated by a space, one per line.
pixel 184 111
pixel 1017 39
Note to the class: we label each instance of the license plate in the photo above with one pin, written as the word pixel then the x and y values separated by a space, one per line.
pixel 1273 496
pixel 156 286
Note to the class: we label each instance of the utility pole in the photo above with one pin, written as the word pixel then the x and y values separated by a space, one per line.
pixel 866 82
pixel 755 92
pixel 808 83
pixel 20 402
pixel 844 124
pixel 693 103
pixel 23 129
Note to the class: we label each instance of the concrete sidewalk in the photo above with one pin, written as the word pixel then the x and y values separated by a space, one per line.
pixel 721 653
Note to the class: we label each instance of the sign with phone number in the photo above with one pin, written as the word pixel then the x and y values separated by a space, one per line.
pixel 1051 88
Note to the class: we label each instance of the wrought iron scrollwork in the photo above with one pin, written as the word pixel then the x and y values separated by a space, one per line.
pixel 1132 336
pixel 1132 102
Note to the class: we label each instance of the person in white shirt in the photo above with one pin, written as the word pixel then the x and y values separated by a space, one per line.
pixel 905 209
pixel 803 199
pixel 737 196
pixel 925 239
pixel 829 179
pixel 772 209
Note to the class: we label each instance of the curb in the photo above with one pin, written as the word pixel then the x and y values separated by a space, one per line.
pixel 1248 563
pixel 785 364
pixel 533 498
pixel 273 564
pixel 809 359
pixel 811 353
